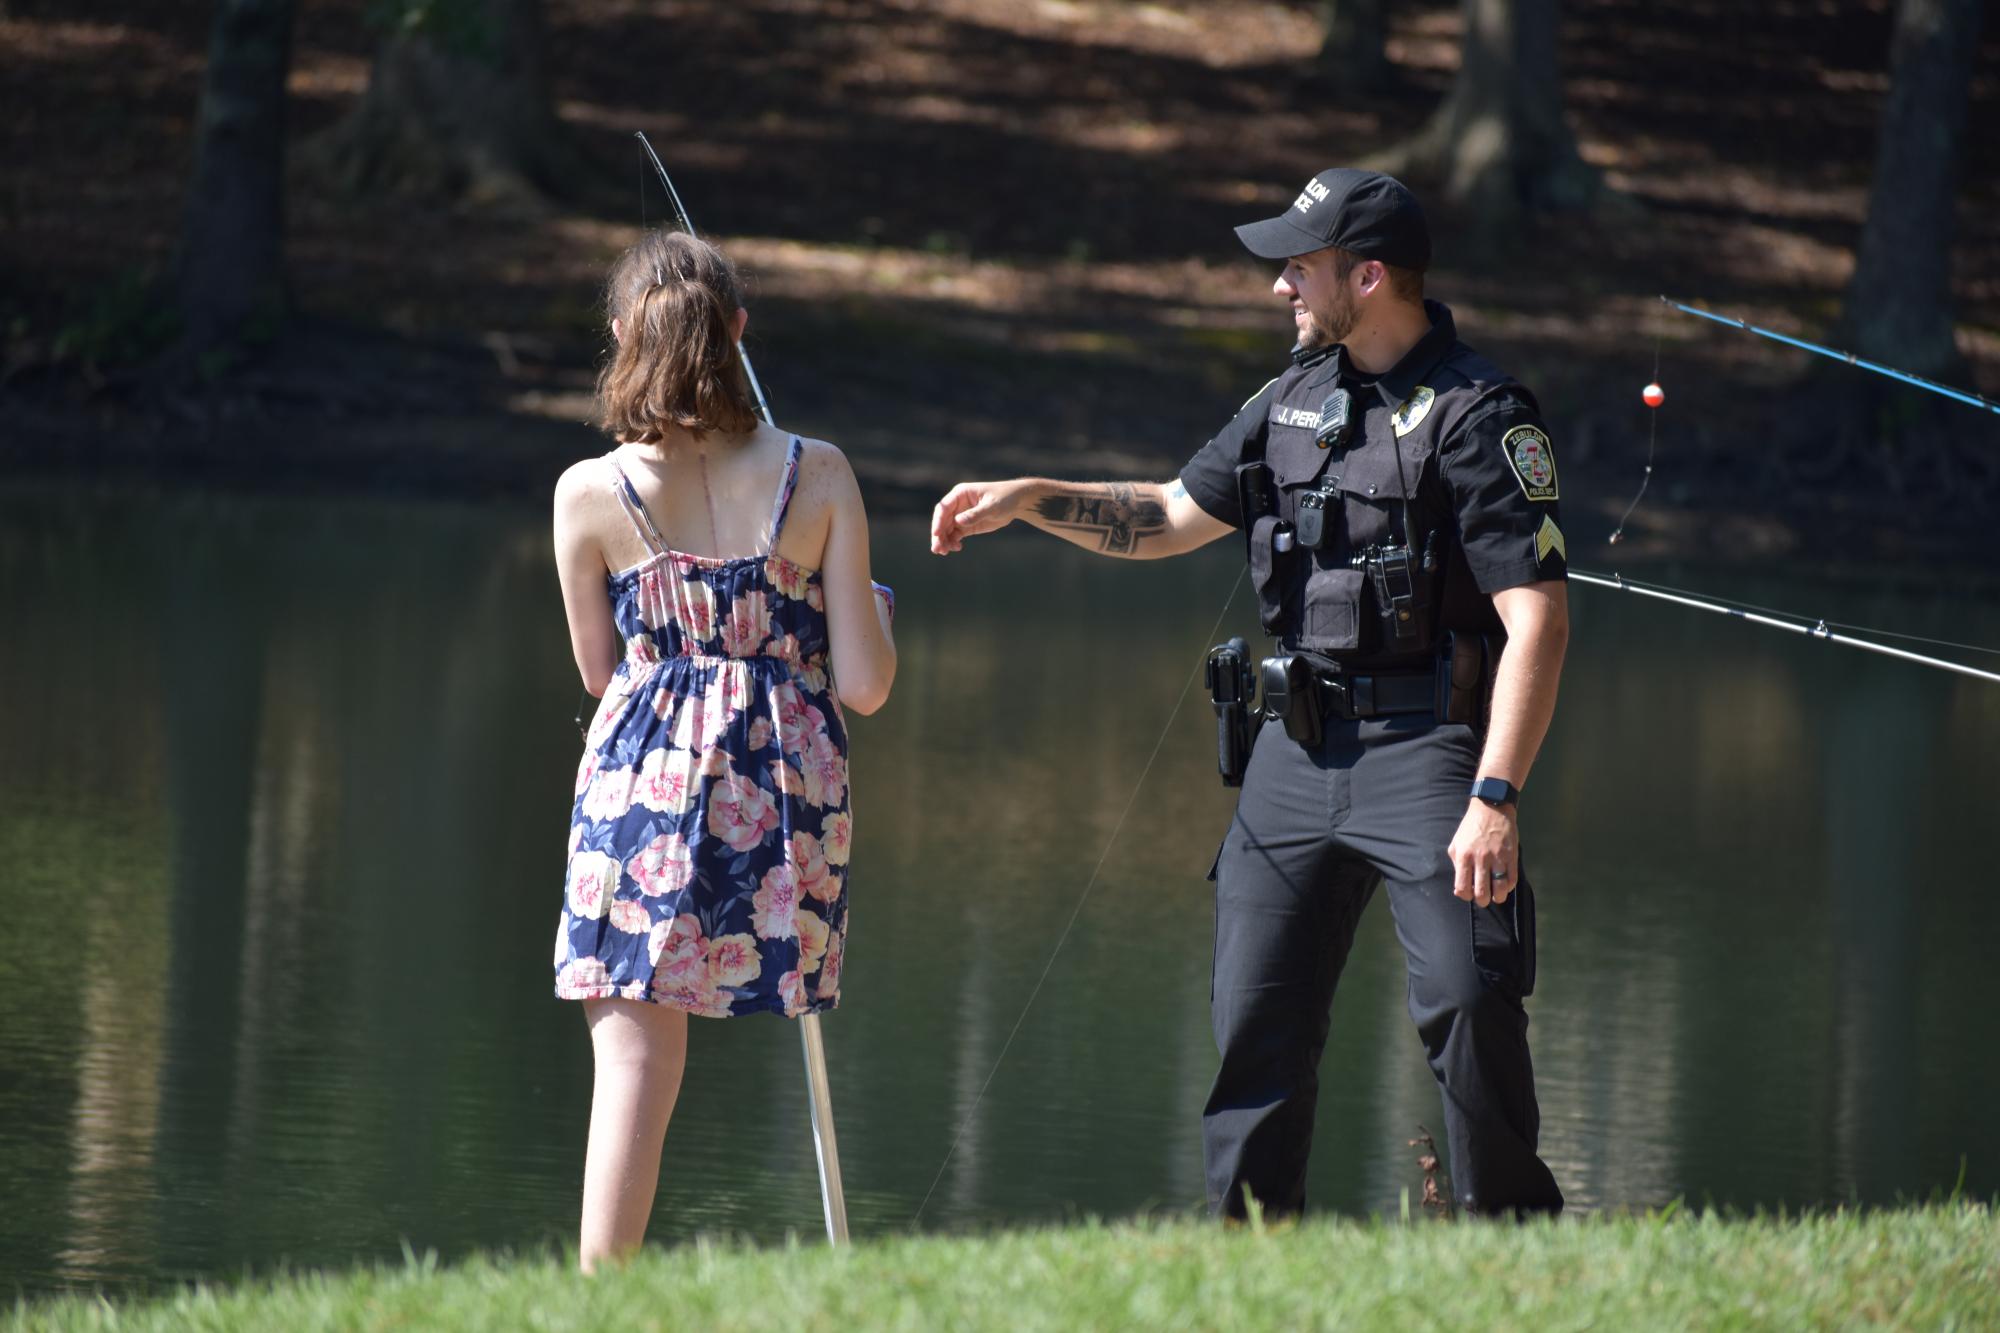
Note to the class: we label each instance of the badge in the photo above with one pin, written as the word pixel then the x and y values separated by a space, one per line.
pixel 1411 414
pixel 1548 538
pixel 1534 462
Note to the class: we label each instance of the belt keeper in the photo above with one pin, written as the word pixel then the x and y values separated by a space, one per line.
pixel 1361 694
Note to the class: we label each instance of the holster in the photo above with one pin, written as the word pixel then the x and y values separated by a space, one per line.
pixel 1463 683
pixel 1290 684
pixel 1230 687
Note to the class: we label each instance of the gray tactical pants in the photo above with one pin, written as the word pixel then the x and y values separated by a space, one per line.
pixel 1316 831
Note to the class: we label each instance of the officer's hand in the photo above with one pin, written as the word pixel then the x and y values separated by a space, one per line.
pixel 1485 855
pixel 973 507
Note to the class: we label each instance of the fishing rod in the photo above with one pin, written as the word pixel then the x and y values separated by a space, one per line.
pixel 1817 629
pixel 687 225
pixel 1654 395
pixel 832 1197
pixel 1965 396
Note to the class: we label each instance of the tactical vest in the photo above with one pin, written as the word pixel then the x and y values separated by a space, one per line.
pixel 1322 601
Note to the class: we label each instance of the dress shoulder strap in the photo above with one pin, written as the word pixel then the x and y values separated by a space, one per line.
pixel 635 508
pixel 786 486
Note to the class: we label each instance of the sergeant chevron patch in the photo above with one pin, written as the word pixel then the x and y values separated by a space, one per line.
pixel 1534 462
pixel 1548 538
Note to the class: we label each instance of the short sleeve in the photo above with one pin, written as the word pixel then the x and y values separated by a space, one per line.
pixel 1500 469
pixel 1210 476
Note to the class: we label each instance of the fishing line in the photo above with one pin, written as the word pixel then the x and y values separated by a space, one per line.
pixel 1965 396
pixel 1652 433
pixel 1818 620
pixel 1809 626
pixel 966 1122
pixel 1914 638
pixel 1653 398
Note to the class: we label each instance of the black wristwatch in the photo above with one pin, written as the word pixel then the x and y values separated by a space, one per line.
pixel 1496 791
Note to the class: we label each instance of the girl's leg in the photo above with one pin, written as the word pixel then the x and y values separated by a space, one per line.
pixel 641 1049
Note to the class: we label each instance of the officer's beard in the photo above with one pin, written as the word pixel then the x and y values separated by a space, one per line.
pixel 1323 330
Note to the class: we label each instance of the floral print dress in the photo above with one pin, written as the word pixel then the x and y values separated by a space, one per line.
pixel 708 843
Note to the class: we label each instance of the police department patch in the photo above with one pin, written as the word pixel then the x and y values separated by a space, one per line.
pixel 1527 448
pixel 1411 414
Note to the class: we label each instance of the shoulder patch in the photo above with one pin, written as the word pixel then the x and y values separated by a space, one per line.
pixel 1412 413
pixel 1534 462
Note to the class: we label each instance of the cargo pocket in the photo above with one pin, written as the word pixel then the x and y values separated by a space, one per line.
pixel 1503 942
pixel 1267 566
pixel 1332 609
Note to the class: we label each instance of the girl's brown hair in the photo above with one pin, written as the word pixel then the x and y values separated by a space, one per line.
pixel 674 364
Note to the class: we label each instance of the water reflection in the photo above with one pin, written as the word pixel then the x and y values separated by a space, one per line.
pixel 281 813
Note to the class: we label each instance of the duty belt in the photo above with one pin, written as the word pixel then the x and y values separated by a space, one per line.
pixel 1351 697
pixel 1302 690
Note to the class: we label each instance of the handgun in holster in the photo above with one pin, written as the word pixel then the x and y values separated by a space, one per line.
pixel 1231 686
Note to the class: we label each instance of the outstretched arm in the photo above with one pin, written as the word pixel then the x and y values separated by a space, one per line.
pixel 1142 520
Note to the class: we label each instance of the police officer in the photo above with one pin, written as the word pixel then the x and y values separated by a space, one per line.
pixel 1397 496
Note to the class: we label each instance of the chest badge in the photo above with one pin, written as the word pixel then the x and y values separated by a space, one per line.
pixel 1534 462
pixel 1414 409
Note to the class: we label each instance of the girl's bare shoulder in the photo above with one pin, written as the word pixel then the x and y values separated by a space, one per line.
pixel 582 482
pixel 824 468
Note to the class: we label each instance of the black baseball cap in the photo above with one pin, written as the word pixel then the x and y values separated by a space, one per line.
pixel 1371 214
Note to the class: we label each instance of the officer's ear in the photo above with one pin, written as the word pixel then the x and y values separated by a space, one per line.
pixel 1372 275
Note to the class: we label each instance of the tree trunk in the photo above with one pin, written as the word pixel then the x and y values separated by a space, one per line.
pixel 457 109
pixel 1352 52
pixel 231 271
pixel 1499 143
pixel 1899 306
pixel 1862 430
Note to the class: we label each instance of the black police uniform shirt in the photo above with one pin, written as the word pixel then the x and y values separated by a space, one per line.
pixel 1444 425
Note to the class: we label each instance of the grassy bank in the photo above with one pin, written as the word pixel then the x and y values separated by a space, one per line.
pixel 1933 1267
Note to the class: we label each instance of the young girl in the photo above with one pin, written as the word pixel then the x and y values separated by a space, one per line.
pixel 708 844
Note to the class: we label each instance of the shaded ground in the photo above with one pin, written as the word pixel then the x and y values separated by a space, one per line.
pixel 986 236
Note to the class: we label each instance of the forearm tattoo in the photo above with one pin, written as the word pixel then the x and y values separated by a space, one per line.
pixel 1114 513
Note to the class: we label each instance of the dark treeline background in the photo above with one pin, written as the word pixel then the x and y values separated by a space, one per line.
pixel 374 229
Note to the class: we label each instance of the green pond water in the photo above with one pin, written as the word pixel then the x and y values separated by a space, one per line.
pixel 283 794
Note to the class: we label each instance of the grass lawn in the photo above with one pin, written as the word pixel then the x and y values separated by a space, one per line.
pixel 1933 1267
